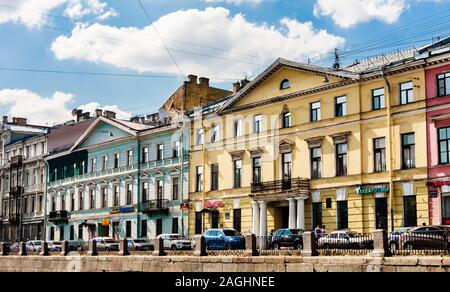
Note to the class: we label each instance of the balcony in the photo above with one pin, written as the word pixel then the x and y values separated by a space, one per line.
pixel 154 206
pixel 14 218
pixel 15 191
pixel 280 188
pixel 16 161
pixel 58 217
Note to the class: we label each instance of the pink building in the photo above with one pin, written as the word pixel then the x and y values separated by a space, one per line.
pixel 438 135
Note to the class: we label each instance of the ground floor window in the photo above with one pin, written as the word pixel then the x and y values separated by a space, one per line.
pixel 115 230
pixel 237 219
pixel 381 213
pixel 214 219
pixel 317 214
pixel 128 229
pixel 159 227
pixel 410 211
pixel 175 225
pixel 198 222
pixel 72 232
pixel 342 215
pixel 80 231
pixel 446 208
pixel 52 233
pixel 144 228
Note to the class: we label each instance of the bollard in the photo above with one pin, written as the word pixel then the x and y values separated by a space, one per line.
pixel 200 247
pixel 250 245
pixel 64 248
pixel 22 248
pixel 380 244
pixel 4 249
pixel 123 247
pixel 159 247
pixel 92 248
pixel 309 244
pixel 44 250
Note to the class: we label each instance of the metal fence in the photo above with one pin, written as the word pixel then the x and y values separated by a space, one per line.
pixel 267 246
pixel 345 244
pixel 419 243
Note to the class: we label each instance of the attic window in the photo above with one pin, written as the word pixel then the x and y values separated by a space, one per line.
pixel 285 84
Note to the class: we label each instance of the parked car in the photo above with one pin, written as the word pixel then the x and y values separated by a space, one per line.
pixel 287 238
pixel 54 246
pixel 107 244
pixel 14 247
pixel 394 236
pixel 175 242
pixel 222 239
pixel 34 245
pixel 344 239
pixel 139 244
pixel 77 245
pixel 426 237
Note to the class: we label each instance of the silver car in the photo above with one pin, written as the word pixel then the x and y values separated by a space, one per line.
pixel 107 244
pixel 139 244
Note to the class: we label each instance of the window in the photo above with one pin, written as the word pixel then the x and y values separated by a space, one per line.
pixel 176 149
pixel 92 199
pixel 63 203
pixel 144 192
pixel 444 145
pixel 285 84
pixel 342 215
pixel 199 137
pixel 80 201
pixel 381 213
pixel 104 197
pixel 144 228
pixel 287 120
pixel 93 163
pixel 237 219
pixel 144 158
pixel 105 163
pixel 341 159
pixel 315 111
pixel 316 162
pixel 80 231
pixel 238 128
pixel 406 93
pixel 257 124
pixel 129 194
pixel 159 189
pixel 53 203
pixel 129 157
pixel 378 101
pixel 287 166
pixel 175 225
pixel 128 229
pixel 214 177
pixel 72 232
pixel 445 207
pixel 116 160
pixel 215 134
pixel 237 173
pixel 410 211
pixel 175 188
pixel 72 202
pixel 199 179
pixel 379 146
pixel 443 84
pixel 408 151
pixel 52 233
pixel 159 227
pixel 214 216
pixel 198 222
pixel 116 196
pixel 341 106
pixel 257 170
pixel 317 214
pixel 160 152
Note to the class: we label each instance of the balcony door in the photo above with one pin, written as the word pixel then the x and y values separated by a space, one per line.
pixel 381 213
pixel 286 170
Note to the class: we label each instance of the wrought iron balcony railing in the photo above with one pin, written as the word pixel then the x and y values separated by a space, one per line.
pixel 14 218
pixel 58 216
pixel 154 206
pixel 16 161
pixel 295 184
pixel 15 191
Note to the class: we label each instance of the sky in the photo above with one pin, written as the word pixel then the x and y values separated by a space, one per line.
pixel 129 56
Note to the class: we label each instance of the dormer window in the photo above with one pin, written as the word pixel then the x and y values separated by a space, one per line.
pixel 285 84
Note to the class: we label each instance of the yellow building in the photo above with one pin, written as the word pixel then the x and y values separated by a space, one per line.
pixel 302 145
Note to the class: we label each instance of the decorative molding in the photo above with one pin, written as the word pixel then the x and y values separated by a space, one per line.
pixel 340 137
pixel 315 142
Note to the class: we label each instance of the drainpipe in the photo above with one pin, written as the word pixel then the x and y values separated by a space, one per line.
pixel 182 181
pixel 138 217
pixel 21 196
pixel 45 197
pixel 390 145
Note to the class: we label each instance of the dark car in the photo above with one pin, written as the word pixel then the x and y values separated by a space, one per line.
pixel 287 238
pixel 224 239
pixel 394 236
pixel 426 237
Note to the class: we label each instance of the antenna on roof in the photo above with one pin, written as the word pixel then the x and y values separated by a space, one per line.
pixel 336 64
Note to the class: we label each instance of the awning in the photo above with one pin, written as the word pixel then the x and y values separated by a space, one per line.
pixel 89 222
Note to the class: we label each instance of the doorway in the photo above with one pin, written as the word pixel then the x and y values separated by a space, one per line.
pixel 281 217
pixel 381 213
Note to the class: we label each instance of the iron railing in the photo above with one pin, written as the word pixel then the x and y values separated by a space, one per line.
pixel 58 216
pixel 345 244
pixel 409 243
pixel 280 186
pixel 154 206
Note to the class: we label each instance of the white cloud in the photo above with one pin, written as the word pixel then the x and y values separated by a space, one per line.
pixel 42 110
pixel 347 13
pixel 33 13
pixel 236 2
pixel 141 50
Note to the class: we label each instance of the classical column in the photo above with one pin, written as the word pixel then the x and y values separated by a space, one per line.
pixel 263 218
pixel 301 213
pixel 292 213
pixel 255 218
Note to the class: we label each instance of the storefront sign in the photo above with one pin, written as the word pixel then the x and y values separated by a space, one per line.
pixel 105 222
pixel 128 209
pixel 371 190
pixel 438 184
pixel 214 205
pixel 433 194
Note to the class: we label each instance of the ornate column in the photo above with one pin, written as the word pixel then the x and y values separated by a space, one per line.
pixel 255 218
pixel 301 213
pixel 292 213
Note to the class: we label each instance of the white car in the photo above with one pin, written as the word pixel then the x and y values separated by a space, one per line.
pixel 107 244
pixel 175 242
pixel 344 239
pixel 34 245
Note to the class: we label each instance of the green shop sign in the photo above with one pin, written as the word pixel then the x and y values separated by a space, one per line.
pixel 372 190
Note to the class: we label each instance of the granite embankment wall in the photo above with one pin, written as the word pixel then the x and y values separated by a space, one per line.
pixel 223 264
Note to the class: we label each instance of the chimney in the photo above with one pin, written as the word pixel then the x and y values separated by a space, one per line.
pixel 192 79
pixel 98 113
pixel 134 120
pixel 21 121
pixel 109 114
pixel 236 87
pixel 244 82
pixel 204 82
pixel 84 116
pixel 77 113
pixel 142 120
pixel 5 119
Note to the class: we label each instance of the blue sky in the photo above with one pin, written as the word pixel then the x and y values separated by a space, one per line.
pixel 235 38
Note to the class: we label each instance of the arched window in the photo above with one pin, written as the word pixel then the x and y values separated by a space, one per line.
pixel 285 84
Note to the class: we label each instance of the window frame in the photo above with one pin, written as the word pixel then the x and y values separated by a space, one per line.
pixel 409 92
pixel 340 105
pixel 344 160
pixel 214 177
pixel 314 160
pixel 199 179
pixel 256 170
pixel 286 120
pixel 285 84
pixel 257 124
pixel 381 97
pixel 381 151
pixel 408 147
pixel 446 80
pixel 237 173
pixel 447 141
pixel 315 113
